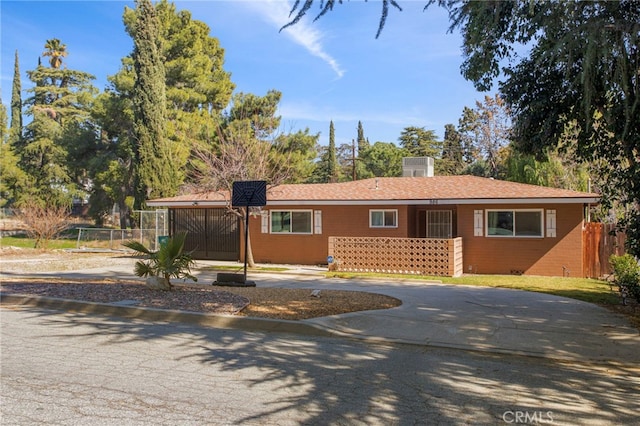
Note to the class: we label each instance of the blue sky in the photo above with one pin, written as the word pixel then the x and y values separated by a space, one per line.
pixel 331 69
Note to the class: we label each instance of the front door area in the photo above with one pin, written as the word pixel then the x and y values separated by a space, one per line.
pixel 435 224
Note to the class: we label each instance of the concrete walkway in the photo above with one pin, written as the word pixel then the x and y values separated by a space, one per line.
pixel 432 314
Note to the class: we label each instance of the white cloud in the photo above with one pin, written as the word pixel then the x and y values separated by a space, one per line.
pixel 308 112
pixel 276 12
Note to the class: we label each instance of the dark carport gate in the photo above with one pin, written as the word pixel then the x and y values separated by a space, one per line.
pixel 212 234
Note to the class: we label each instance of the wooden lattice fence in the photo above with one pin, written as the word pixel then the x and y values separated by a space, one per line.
pixel 425 256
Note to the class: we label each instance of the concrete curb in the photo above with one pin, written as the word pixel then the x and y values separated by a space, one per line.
pixel 166 315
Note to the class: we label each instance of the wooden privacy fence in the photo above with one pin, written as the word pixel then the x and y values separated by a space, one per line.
pixel 425 256
pixel 599 242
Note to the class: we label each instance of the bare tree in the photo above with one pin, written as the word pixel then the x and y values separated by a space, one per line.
pixel 240 156
pixel 44 222
pixel 486 130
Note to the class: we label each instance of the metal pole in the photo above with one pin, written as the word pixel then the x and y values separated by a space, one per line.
pixel 246 240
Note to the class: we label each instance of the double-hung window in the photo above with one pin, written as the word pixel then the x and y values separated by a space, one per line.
pixel 383 218
pixel 291 222
pixel 515 223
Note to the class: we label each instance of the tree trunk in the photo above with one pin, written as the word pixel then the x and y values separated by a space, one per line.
pixel 158 283
pixel 124 214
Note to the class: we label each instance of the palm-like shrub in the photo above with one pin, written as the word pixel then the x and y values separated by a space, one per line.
pixel 170 261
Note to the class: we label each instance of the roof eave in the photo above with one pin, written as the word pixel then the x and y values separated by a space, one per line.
pixel 428 202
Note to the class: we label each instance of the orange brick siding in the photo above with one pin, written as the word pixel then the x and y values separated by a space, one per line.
pixel 530 256
pixel 552 256
pixel 344 221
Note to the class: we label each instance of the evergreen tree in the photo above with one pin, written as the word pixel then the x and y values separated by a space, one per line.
pixel 452 152
pixel 256 113
pixel 384 159
pixel 363 143
pixel 59 109
pixel 197 86
pixel 113 168
pixel 420 142
pixel 326 169
pixel 299 149
pixel 16 103
pixel 155 171
pixel 197 89
pixel 469 131
pixel 363 146
pixel 12 178
pixel 332 162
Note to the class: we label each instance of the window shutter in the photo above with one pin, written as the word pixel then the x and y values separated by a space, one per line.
pixel 317 222
pixel 264 217
pixel 477 223
pixel 551 223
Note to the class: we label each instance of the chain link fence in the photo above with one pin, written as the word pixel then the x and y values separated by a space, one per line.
pixel 153 224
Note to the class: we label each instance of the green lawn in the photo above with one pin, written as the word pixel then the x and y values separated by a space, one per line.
pixel 24 242
pixel 588 290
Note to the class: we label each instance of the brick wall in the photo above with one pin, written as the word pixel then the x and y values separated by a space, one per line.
pixel 558 256
pixel 345 221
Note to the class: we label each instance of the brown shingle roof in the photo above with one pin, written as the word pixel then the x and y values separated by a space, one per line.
pixel 403 190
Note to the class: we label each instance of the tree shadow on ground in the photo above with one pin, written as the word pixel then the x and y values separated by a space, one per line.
pixel 317 380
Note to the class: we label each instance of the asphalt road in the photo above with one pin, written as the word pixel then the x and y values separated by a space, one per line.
pixel 62 368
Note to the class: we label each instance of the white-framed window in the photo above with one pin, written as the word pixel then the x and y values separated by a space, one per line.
pixel 383 218
pixel 514 223
pixel 439 224
pixel 291 221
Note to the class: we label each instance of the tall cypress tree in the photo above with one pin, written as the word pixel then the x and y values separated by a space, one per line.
pixel 363 143
pixel 16 103
pixel 363 146
pixel 154 174
pixel 332 162
pixel 12 178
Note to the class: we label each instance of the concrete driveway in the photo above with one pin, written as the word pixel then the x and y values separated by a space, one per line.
pixel 481 318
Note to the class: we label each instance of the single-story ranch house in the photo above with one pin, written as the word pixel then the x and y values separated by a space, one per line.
pixel 436 225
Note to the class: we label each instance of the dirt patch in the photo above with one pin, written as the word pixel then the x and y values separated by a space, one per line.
pixel 631 310
pixel 276 303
